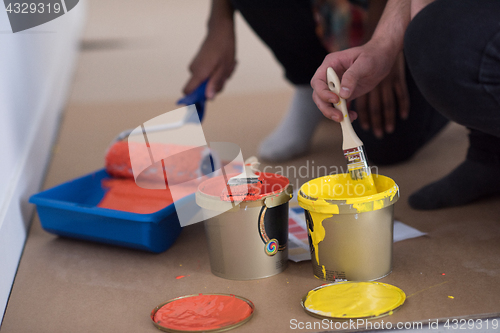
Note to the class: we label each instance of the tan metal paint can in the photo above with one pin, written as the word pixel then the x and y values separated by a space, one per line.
pixel 351 239
pixel 247 241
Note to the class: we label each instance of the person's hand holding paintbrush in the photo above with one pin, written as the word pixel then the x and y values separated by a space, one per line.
pixel 361 68
pixel 353 147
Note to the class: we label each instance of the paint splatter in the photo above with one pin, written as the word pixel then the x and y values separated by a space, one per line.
pixel 451 297
pixel 181 277
pixel 434 286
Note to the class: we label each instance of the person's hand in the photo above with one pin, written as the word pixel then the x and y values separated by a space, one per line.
pixel 377 109
pixel 360 68
pixel 214 61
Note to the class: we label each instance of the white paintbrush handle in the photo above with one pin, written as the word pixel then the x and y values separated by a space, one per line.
pixel 162 127
pixel 249 165
pixel 351 139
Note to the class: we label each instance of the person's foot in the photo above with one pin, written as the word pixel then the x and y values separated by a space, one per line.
pixel 469 181
pixel 292 136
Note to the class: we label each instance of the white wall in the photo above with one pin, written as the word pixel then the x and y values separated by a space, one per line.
pixel 35 73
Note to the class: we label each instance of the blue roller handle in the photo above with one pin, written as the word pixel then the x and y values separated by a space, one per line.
pixel 198 98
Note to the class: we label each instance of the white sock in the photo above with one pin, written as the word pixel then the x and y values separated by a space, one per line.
pixel 292 136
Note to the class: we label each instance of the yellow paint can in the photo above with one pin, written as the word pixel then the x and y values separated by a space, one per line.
pixel 350 233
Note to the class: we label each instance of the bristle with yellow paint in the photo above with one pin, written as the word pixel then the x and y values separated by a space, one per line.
pixel 359 169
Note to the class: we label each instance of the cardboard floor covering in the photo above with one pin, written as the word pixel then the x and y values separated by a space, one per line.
pixel 66 285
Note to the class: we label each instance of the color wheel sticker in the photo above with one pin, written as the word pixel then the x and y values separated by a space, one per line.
pixel 272 247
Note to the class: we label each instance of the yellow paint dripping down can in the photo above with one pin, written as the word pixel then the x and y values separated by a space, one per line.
pixel 350 233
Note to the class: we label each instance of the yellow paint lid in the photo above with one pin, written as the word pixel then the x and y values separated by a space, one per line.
pixel 339 194
pixel 353 300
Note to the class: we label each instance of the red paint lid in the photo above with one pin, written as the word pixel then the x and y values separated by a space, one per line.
pixel 270 184
pixel 202 313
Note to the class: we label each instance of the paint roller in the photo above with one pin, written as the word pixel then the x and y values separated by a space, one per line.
pixel 184 163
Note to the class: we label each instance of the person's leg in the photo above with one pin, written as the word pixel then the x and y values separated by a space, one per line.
pixel 453 52
pixel 292 137
pixel 287 27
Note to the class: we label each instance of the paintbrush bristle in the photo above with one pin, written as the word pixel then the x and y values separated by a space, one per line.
pixel 357 163
pixel 359 170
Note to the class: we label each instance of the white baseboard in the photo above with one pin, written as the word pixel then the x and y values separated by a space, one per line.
pixel 34 152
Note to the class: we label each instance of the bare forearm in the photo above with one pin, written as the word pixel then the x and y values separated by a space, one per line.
pixel 391 28
pixel 215 59
pixel 222 13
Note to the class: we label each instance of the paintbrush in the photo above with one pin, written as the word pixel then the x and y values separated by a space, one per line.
pixel 247 178
pixel 245 185
pixel 353 147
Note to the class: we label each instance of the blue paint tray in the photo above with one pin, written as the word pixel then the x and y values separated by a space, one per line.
pixel 70 210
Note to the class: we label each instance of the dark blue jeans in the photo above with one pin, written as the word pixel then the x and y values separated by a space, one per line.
pixel 453 52
pixel 287 27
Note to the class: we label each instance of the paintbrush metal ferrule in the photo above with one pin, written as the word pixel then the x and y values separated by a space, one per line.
pixel 242 181
pixel 357 163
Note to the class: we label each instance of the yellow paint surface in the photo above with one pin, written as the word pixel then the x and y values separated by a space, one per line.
pixel 340 186
pixel 354 300
pixel 325 194
pixel 367 183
